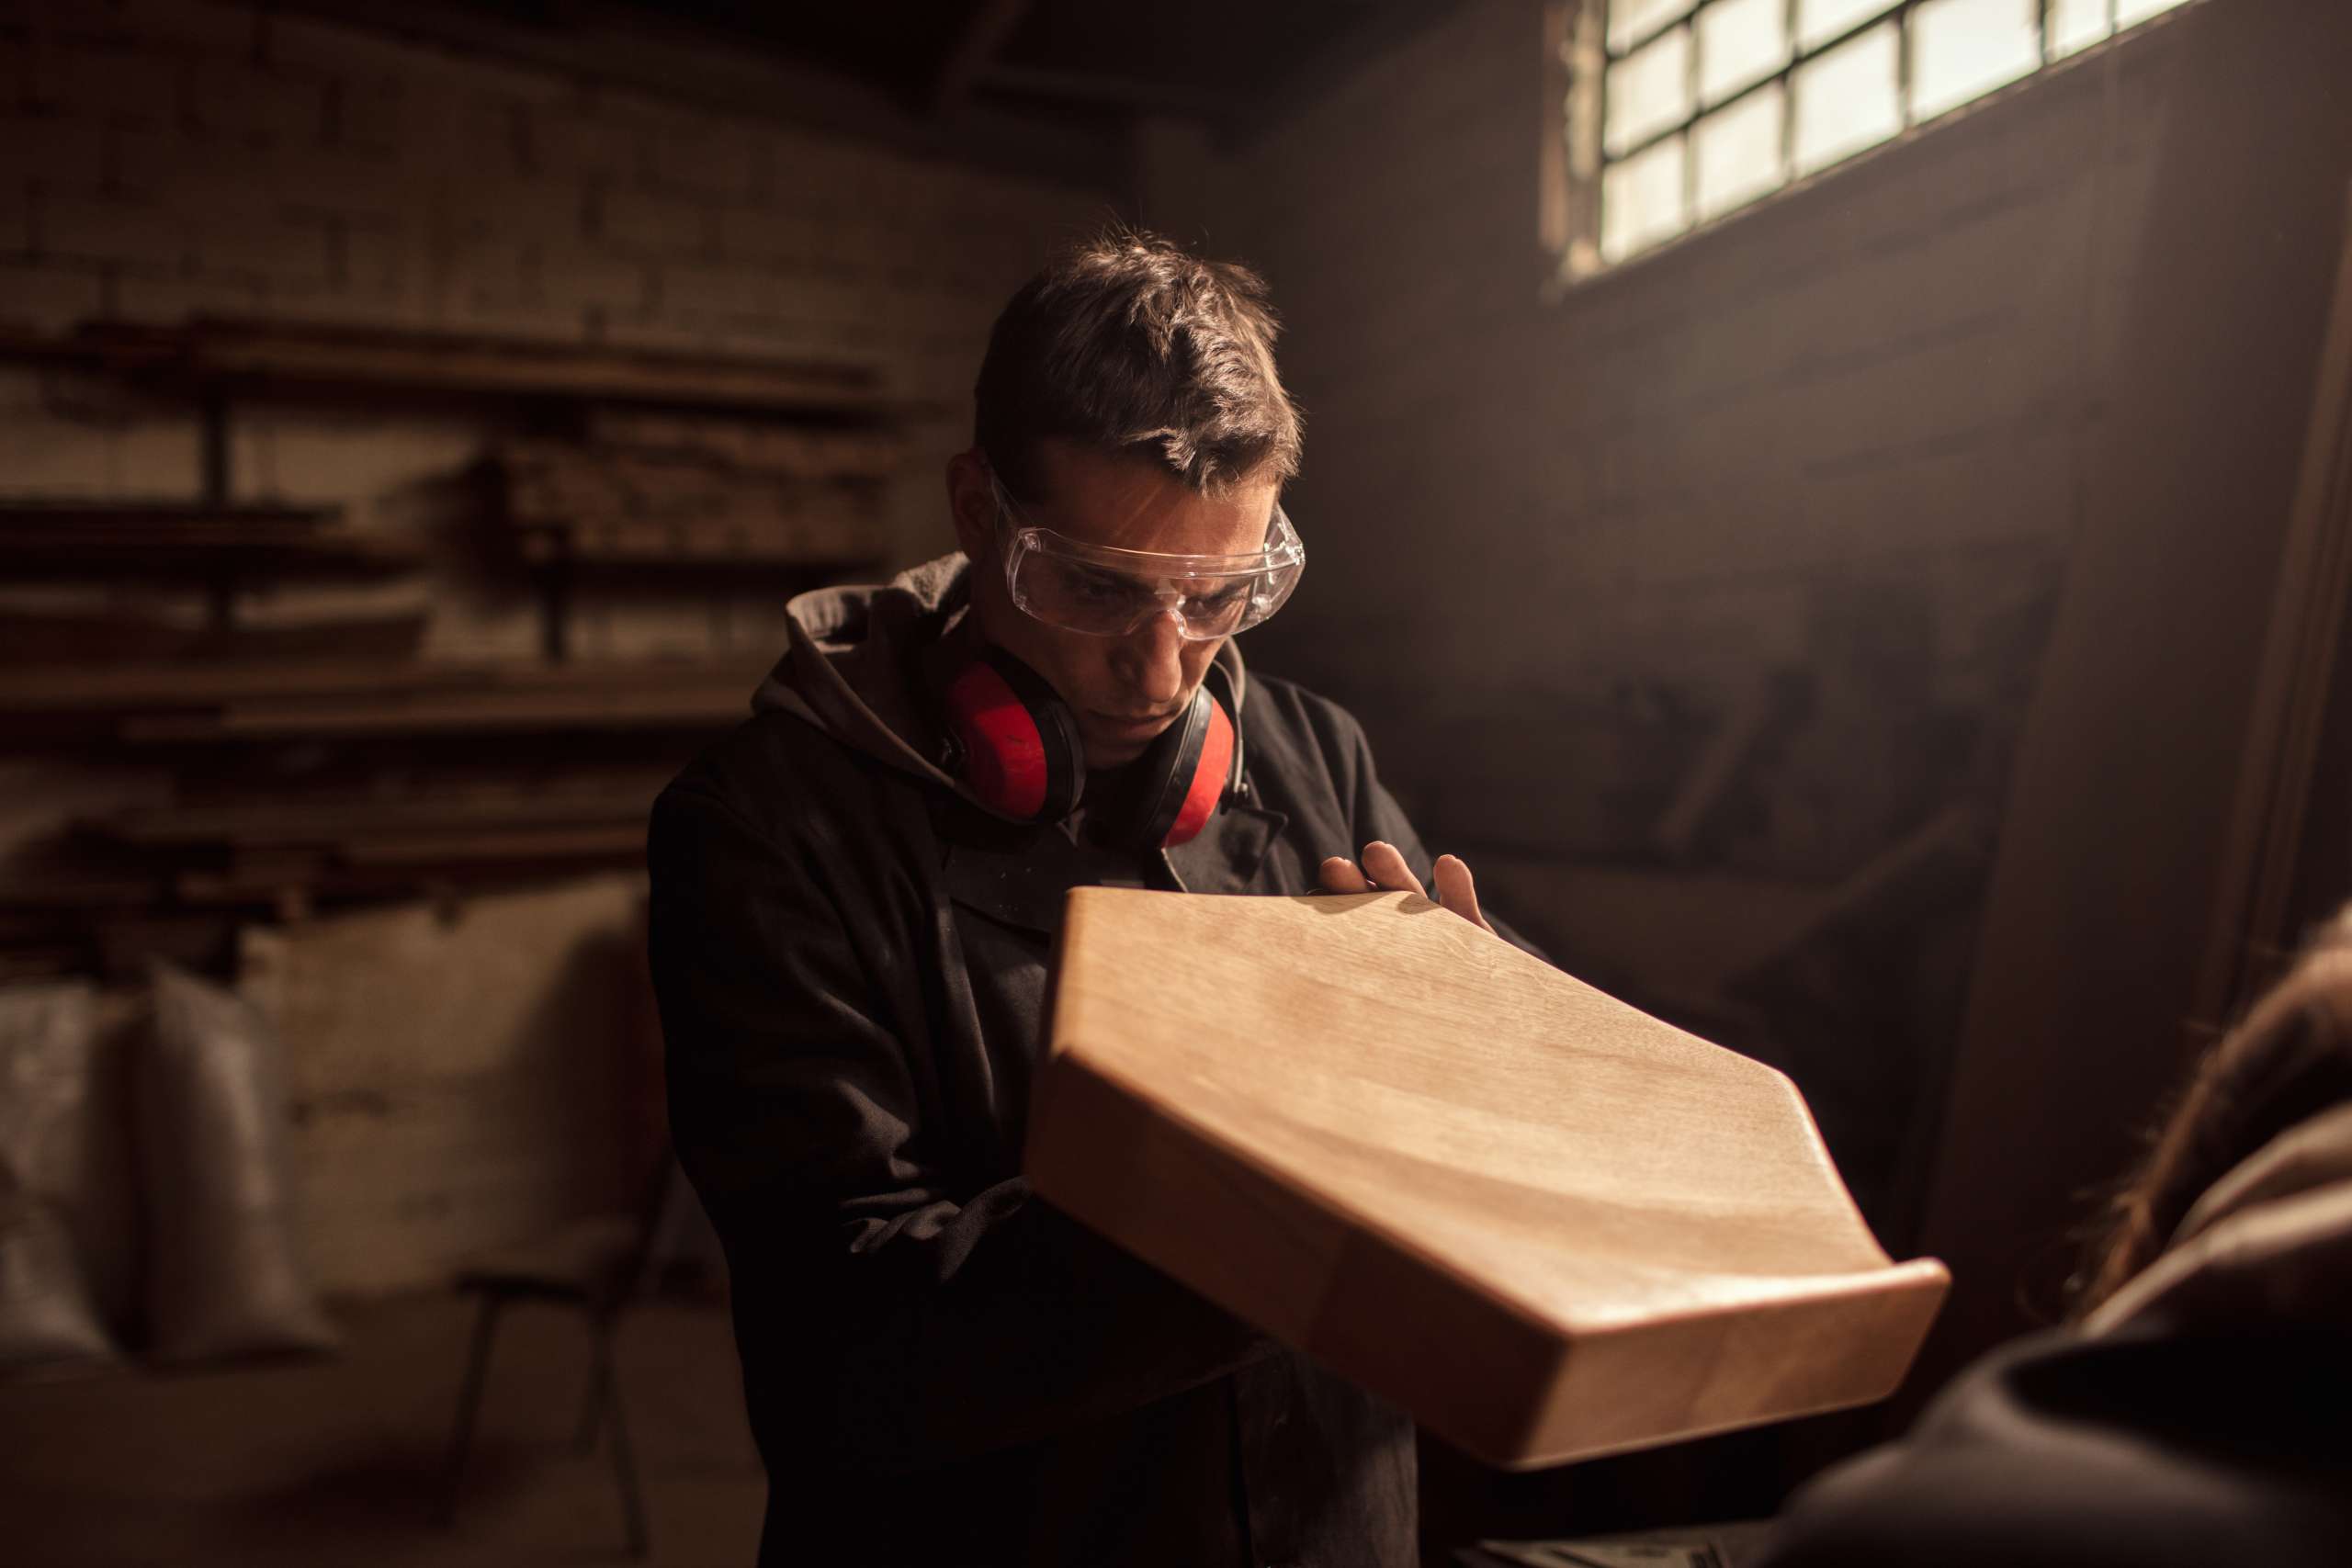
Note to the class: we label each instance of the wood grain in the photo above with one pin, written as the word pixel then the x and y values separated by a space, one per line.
pixel 1548 1225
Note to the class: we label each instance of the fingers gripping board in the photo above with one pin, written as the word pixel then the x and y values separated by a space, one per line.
pixel 1546 1224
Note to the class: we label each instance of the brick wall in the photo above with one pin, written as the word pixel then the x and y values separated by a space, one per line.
pixel 165 158
pixel 162 158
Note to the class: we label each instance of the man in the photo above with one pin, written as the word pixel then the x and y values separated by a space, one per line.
pixel 854 899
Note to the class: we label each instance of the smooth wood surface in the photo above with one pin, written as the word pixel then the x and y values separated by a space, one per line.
pixel 1544 1224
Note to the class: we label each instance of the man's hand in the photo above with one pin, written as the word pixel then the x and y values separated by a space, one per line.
pixel 1385 871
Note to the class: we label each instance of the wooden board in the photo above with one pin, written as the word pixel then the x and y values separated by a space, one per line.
pixel 1546 1224
pixel 162 536
pixel 290 357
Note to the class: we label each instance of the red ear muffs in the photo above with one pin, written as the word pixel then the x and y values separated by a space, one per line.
pixel 1017 739
pixel 1018 751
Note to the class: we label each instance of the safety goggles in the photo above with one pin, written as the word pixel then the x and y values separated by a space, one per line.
pixel 1105 591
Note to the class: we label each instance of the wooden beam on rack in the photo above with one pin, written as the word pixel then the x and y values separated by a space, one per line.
pixel 599 841
pixel 171 536
pixel 1092 89
pixel 218 354
pixel 160 514
pixel 269 823
pixel 457 713
pixel 152 688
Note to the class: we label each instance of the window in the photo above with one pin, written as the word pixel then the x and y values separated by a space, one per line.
pixel 1682 111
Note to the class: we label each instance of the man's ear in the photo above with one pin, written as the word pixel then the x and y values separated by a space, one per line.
pixel 971 502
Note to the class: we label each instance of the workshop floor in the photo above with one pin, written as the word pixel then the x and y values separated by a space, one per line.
pixel 338 1461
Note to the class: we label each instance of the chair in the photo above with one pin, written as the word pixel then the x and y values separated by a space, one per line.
pixel 598 1266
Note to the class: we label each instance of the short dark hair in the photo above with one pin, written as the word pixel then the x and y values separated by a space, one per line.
pixel 1129 343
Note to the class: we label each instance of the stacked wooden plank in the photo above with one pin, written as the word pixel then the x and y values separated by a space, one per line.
pixel 232 354
pixel 317 759
pixel 172 536
pixel 180 703
pixel 787 451
pixel 90 632
pixel 339 842
pixel 735 502
pixel 405 778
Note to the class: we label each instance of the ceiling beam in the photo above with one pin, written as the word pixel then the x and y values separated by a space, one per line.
pixel 623 46
pixel 1107 92
pixel 985 30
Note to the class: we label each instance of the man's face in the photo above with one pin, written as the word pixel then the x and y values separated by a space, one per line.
pixel 1125 690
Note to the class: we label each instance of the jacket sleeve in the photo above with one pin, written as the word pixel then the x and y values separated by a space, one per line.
pixel 923 1322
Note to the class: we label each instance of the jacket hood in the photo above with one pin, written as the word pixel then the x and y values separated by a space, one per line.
pixel 862 662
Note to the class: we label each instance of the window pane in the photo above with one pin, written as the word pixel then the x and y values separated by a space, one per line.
pixel 1632 20
pixel 2076 25
pixel 1740 151
pixel 1963 49
pixel 1649 91
pixel 1641 201
pixel 2129 11
pixel 1846 99
pixel 1740 42
pixel 1818 21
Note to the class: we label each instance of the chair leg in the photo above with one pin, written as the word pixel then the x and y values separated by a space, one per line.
pixel 468 1406
pixel 591 1409
pixel 624 1456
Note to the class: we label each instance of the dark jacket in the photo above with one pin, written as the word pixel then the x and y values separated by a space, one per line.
pixel 2197 1419
pixel 851 958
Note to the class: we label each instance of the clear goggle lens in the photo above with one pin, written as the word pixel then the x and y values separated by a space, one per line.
pixel 1104 591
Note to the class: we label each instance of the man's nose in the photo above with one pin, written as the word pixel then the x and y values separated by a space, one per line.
pixel 1154 662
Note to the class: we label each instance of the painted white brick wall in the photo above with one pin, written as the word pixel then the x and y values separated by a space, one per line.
pixel 161 159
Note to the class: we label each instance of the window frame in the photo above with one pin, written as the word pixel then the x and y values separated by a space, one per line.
pixel 1574 166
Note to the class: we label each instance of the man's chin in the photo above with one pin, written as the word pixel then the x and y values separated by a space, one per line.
pixel 1110 744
